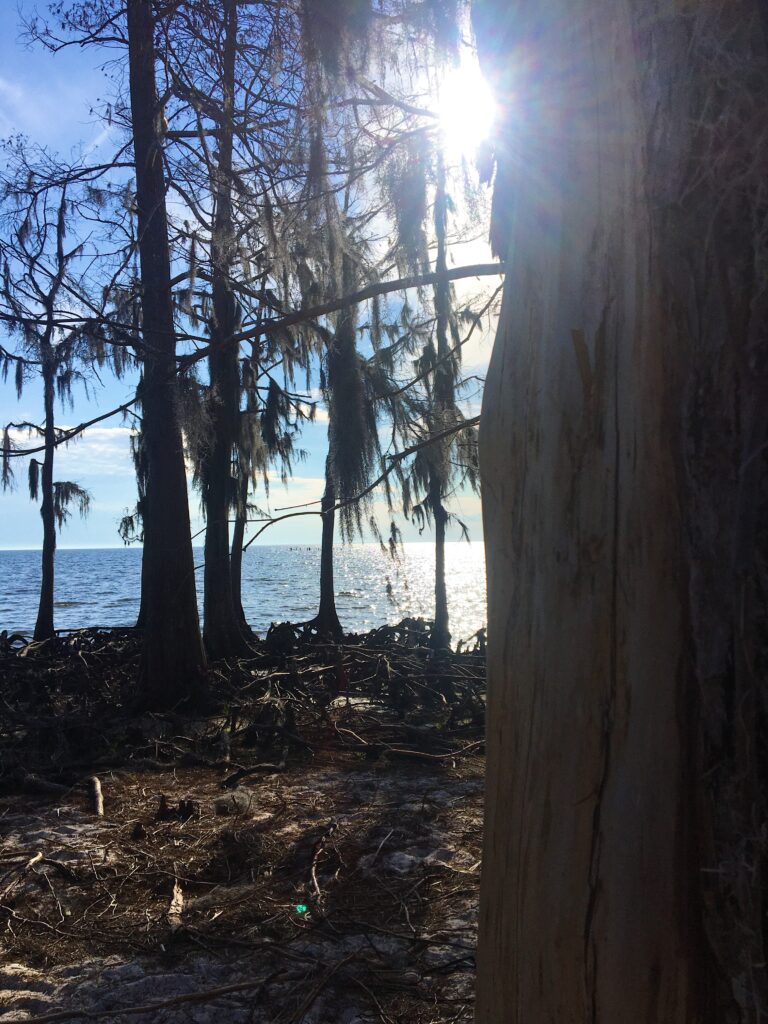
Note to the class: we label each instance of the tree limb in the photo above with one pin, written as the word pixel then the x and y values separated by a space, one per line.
pixel 394 460
pixel 333 305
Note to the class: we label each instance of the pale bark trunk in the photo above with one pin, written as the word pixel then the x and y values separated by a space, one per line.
pixel 172 656
pixel 622 475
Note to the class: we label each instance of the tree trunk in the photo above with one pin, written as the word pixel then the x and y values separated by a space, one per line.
pixel 441 636
pixel 350 438
pixel 44 627
pixel 444 402
pixel 236 554
pixel 139 462
pixel 172 655
pixel 223 633
pixel 624 496
pixel 141 618
pixel 327 620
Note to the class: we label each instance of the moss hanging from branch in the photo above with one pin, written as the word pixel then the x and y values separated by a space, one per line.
pixel 333 27
pixel 405 185
pixel 66 493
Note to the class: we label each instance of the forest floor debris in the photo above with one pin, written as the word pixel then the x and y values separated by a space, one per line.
pixel 305 851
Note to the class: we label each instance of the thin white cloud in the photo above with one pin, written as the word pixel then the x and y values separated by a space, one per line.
pixel 100 451
pixel 50 104
pixel 300 489
pixel 98 140
pixel 10 92
pixel 19 110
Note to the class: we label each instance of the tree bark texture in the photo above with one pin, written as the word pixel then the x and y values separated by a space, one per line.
pixel 172 652
pixel 236 553
pixel 44 625
pixel 624 468
pixel 223 631
pixel 327 618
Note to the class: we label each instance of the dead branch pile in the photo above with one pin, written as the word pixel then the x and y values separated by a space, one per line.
pixel 313 834
pixel 67 708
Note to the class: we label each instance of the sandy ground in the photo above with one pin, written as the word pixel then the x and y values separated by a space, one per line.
pixel 342 889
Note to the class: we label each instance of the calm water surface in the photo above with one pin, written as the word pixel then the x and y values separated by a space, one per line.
pixel 100 587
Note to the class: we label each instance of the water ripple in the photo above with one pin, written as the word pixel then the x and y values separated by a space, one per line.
pixel 101 587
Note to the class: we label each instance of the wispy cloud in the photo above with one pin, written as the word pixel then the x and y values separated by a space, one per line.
pixel 102 451
pixel 99 452
pixel 21 110
pixel 300 489
pixel 51 108
pixel 12 106
pixel 98 140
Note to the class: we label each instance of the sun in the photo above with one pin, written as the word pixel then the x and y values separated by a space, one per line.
pixel 466 110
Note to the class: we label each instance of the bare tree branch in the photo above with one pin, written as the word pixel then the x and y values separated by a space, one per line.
pixel 369 292
pixel 394 460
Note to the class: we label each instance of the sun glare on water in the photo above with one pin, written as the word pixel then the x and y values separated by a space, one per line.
pixel 466 109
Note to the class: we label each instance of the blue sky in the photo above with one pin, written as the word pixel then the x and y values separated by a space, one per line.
pixel 48 98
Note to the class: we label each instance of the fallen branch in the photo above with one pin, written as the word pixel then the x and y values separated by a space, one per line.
pixel 22 874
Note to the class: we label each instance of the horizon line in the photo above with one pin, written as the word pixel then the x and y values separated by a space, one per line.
pixel 199 547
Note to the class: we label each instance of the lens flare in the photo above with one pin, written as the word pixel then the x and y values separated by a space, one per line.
pixel 466 109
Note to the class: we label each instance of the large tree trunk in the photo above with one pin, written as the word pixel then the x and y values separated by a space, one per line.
pixel 327 620
pixel 44 627
pixel 350 442
pixel 223 630
pixel 141 618
pixel 624 493
pixel 172 652
pixel 236 553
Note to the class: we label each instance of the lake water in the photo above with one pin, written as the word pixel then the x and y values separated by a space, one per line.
pixel 100 587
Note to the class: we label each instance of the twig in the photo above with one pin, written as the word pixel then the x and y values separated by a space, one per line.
pixel 22 873
pixel 432 757
pixel 318 849
pixel 380 847
pixel 232 780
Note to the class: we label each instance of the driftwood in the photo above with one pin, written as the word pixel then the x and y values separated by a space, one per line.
pixel 97 797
